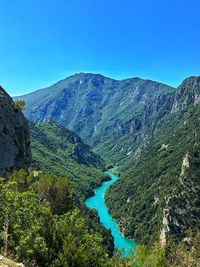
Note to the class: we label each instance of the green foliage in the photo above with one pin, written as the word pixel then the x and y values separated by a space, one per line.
pixel 186 253
pixel 61 152
pixel 18 105
pixel 22 214
pixel 148 257
pixel 56 190
pixel 140 196
pixel 53 151
pixel 40 224
pixel 76 251
pixel 154 256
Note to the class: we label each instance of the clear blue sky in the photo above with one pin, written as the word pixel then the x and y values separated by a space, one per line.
pixel 43 41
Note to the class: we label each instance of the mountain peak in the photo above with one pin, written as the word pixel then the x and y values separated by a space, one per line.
pixel 191 81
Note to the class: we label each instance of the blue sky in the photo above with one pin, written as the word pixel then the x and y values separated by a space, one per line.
pixel 43 41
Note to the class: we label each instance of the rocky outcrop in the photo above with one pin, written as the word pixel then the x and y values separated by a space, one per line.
pixel 5 262
pixel 15 152
pixel 186 163
pixel 187 94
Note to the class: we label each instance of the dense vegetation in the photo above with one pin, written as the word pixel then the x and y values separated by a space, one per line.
pixel 40 231
pixel 59 151
pixel 163 183
pixel 184 254
pixel 41 225
pixel 152 131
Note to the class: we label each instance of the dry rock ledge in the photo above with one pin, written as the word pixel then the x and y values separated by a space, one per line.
pixel 5 262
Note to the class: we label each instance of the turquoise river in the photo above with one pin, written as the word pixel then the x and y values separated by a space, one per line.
pixel 97 202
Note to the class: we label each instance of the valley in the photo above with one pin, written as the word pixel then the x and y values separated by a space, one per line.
pixel 145 126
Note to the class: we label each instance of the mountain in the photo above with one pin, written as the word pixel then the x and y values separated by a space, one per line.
pixel 95 107
pixel 15 150
pixel 60 151
pixel 134 135
pixel 158 194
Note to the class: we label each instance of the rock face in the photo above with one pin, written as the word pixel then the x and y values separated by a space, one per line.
pixel 5 262
pixel 185 164
pixel 187 94
pixel 15 152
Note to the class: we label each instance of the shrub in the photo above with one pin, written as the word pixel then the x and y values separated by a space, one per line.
pixel 18 105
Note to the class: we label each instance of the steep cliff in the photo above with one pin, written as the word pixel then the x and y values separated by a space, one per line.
pixel 15 152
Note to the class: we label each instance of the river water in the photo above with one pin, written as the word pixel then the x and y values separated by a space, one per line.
pixel 97 202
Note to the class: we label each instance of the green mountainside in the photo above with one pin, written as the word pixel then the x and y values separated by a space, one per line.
pixel 58 150
pixel 97 108
pixel 158 194
pixel 136 133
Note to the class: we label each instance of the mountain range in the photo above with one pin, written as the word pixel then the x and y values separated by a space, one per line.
pixel 99 109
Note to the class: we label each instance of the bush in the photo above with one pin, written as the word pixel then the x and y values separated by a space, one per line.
pixel 18 105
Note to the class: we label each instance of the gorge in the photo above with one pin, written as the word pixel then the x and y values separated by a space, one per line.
pixel 149 128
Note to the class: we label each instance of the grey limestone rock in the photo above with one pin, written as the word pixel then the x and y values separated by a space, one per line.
pixel 15 151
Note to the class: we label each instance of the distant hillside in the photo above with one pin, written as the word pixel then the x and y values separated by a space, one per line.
pixel 95 107
pixel 59 151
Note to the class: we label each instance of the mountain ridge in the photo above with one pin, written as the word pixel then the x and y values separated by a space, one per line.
pixel 92 105
pixel 91 74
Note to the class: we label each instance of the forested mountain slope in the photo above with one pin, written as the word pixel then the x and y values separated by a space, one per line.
pixel 95 107
pixel 151 130
pixel 59 151
pixel 136 133
pixel 158 194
